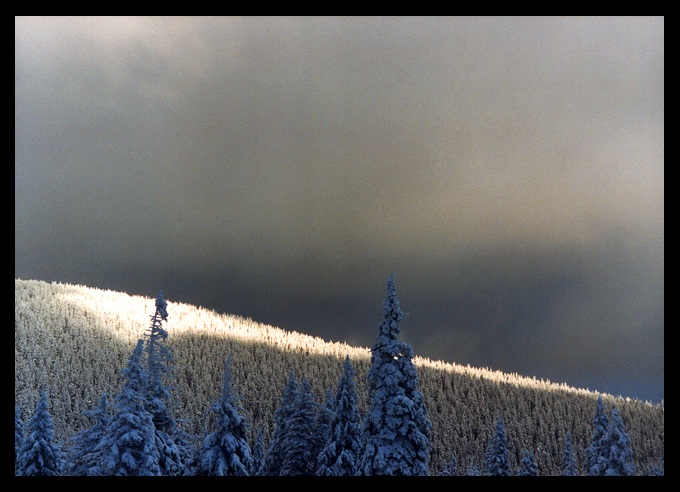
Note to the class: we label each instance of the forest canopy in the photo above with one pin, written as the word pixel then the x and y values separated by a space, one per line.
pixel 73 341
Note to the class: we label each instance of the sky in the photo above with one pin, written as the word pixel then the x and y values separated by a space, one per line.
pixel 507 170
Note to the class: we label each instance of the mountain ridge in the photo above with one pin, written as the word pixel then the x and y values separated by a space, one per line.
pixel 91 332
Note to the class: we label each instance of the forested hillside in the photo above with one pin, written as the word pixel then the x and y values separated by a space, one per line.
pixel 73 342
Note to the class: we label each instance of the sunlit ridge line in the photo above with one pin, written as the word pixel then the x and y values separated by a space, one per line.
pixel 190 319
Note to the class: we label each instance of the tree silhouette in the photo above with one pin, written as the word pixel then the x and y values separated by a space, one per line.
pixel 275 453
pixel 259 451
pixel 19 433
pixel 593 465
pixel 451 469
pixel 299 458
pixel 339 456
pixel 159 368
pixel 225 452
pixel 529 467
pixel 128 446
pixel 498 455
pixel 616 458
pixel 40 455
pixel 569 463
pixel 472 469
pixel 396 428
pixel 656 470
pixel 82 457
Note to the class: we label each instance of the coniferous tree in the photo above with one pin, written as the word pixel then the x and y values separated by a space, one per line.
pixel 529 467
pixel 258 453
pixel 451 470
pixel 187 450
pixel 343 447
pixel 593 465
pixel 19 433
pixel 569 463
pixel 397 427
pixel 656 470
pixel 226 451
pixel 159 367
pixel 616 458
pixel 158 362
pixel 487 464
pixel 82 457
pixel 97 312
pixel 498 454
pixel 275 452
pixel 40 455
pixel 472 469
pixel 128 446
pixel 298 446
pixel 324 417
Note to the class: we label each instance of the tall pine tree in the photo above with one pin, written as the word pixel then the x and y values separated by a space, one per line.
pixel 498 454
pixel 259 451
pixel 569 462
pixel 82 457
pixel 159 367
pixel 275 452
pixel 19 433
pixel 397 427
pixel 299 458
pixel 451 470
pixel 343 447
pixel 323 421
pixel 159 362
pixel 528 467
pixel 226 452
pixel 656 470
pixel 593 464
pixel 472 469
pixel 616 458
pixel 40 455
pixel 129 446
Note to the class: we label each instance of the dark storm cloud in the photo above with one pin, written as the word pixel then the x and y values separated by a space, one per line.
pixel 508 170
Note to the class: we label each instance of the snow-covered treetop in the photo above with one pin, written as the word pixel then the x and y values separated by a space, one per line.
pixel 391 311
pixel 161 306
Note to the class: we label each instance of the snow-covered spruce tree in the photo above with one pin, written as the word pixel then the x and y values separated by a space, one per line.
pixel 528 467
pixel 129 446
pixel 275 452
pixel 323 421
pixel 498 454
pixel 19 433
pixel 40 455
pixel 259 451
pixel 81 455
pixel 656 470
pixel 616 458
pixel 343 447
pixel 488 453
pixel 451 470
pixel 185 443
pixel 159 361
pixel 594 451
pixel 226 452
pixel 472 469
pixel 299 442
pixel 397 428
pixel 569 462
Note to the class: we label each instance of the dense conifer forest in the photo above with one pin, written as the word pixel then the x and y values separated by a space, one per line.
pixel 72 343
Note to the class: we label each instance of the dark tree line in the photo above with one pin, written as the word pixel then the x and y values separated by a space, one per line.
pixel 390 434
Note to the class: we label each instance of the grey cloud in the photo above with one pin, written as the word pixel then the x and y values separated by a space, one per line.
pixel 273 166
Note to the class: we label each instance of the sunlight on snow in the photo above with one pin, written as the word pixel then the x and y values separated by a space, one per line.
pixel 127 317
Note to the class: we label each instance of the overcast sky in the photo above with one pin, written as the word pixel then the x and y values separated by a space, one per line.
pixel 508 171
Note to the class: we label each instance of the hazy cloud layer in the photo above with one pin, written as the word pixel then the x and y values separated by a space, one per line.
pixel 509 171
